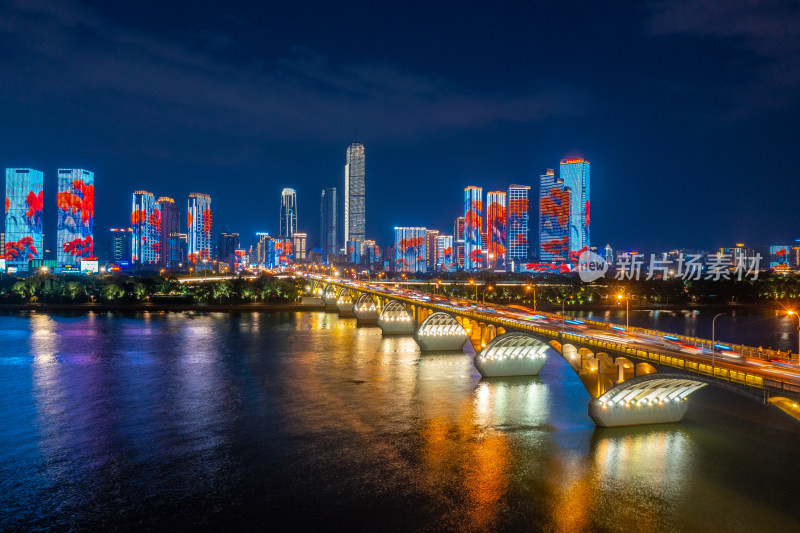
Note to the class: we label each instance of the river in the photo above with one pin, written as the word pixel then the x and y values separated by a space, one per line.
pixel 289 421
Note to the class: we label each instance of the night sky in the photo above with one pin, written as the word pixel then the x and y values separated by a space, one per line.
pixel 687 110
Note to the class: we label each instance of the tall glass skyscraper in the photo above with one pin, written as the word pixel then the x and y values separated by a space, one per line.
pixel 496 228
pixel 473 223
pixel 199 220
pixel 575 175
pixel 518 222
pixel 554 217
pixel 458 238
pixel 288 225
pixel 146 225
pixel 170 250
pixel 444 253
pixel 24 206
pixel 411 253
pixel 327 223
pixel 75 225
pixel 355 217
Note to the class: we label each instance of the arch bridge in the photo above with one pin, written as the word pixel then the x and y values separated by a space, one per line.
pixel 628 385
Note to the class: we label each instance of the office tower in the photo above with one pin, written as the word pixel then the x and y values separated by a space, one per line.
pixel 170 255
pixel 24 205
pixel 327 223
pixel 146 229
pixel 410 249
pixel 609 255
pixel 444 253
pixel 121 245
pixel 432 245
pixel 299 246
pixel 575 175
pixel 496 229
pixel 75 211
pixel 353 251
pixel 288 223
pixel 263 247
pixel 518 223
pixel 554 205
pixel 371 252
pixel 473 224
pixel 458 237
pixel 199 222
pixel 227 244
pixel 355 218
pixel 281 254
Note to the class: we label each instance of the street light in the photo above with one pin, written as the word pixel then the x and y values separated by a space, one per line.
pixel 792 313
pixel 621 297
pixel 713 342
pixel 563 315
pixel 472 282
pixel 489 288
pixel 529 287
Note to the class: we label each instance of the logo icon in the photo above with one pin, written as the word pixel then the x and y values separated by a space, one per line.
pixel 591 267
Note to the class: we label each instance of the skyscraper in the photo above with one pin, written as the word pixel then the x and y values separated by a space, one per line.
pixel 432 244
pixel 473 223
pixel 410 249
pixel 444 253
pixel 458 238
pixel 575 175
pixel 288 224
pixel 170 255
pixel 227 244
pixel 121 245
pixel 355 217
pixel 299 246
pixel 496 229
pixel 75 226
pixel 146 229
pixel 518 223
pixel 24 206
pixel 199 221
pixel 554 205
pixel 327 223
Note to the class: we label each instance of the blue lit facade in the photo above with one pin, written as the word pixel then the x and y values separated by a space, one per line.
pixel 199 222
pixel 473 223
pixel 146 229
pixel 24 207
pixel 554 211
pixel 411 253
pixel 518 204
pixel 75 225
pixel 575 175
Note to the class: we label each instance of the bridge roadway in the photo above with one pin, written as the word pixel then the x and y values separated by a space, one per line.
pixel 588 346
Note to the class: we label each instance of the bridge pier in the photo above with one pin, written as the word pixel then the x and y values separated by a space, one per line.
pixel 440 332
pixel 512 354
pixel 344 304
pixel 330 297
pixel 365 310
pixel 395 319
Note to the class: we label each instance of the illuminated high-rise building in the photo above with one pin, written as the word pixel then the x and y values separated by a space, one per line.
pixel 227 244
pixel 199 222
pixel 432 244
pixel 327 223
pixel 518 203
pixel 458 242
pixel 496 229
pixel 554 205
pixel 75 225
pixel 355 217
pixel 146 224
pixel 444 253
pixel 299 246
pixel 410 249
pixel 170 255
pixel 288 224
pixel 575 175
pixel 121 245
pixel 473 224
pixel 24 206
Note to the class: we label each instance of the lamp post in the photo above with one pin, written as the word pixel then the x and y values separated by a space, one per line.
pixel 489 288
pixel 563 314
pixel 621 297
pixel 713 342
pixel 472 282
pixel 792 313
pixel 532 287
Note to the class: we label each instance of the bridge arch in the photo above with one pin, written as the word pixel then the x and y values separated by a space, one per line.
pixel 647 399
pixel 395 318
pixel 440 332
pixel 344 303
pixel 365 309
pixel 330 295
pixel 512 354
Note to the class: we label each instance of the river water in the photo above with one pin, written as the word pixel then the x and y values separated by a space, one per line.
pixel 289 421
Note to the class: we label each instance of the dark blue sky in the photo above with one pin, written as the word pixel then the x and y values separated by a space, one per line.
pixel 687 110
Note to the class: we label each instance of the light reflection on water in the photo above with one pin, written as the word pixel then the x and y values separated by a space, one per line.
pixel 193 420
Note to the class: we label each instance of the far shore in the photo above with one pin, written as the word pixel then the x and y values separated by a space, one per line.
pixel 318 306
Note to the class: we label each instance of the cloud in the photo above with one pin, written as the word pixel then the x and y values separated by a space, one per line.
pixel 73 59
pixel 764 34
